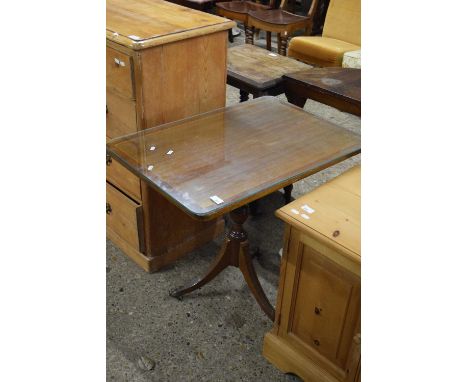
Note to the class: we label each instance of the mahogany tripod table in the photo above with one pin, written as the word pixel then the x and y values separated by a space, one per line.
pixel 337 87
pixel 218 162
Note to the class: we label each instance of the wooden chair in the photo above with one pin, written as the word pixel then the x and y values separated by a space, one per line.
pixel 279 21
pixel 239 11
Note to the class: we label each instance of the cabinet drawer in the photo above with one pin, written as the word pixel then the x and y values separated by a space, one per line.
pixel 125 218
pixel 326 306
pixel 119 72
pixel 121 178
pixel 120 115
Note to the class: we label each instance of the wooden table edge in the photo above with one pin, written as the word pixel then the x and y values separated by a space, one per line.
pixel 227 207
pixel 168 38
pixel 293 82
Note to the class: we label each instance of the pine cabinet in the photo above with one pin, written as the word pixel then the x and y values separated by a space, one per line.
pixel 316 334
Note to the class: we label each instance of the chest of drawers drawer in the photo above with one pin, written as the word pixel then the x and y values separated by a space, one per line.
pixel 119 73
pixel 124 217
pixel 120 115
pixel 123 179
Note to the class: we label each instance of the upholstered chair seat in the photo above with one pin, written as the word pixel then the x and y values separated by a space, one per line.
pixel 321 51
pixel 341 34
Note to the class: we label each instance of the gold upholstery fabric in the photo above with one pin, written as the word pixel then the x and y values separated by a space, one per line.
pixel 341 33
pixel 320 51
pixel 343 21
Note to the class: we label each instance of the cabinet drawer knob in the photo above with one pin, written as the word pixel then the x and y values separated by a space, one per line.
pixel 108 209
pixel 107 109
pixel 316 342
pixel 317 310
pixel 108 160
pixel 119 62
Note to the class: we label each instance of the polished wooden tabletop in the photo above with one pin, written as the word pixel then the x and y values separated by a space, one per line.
pixel 343 83
pixel 259 67
pixel 215 162
pixel 140 24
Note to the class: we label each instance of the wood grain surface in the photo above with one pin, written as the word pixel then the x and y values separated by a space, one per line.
pixel 339 198
pixel 140 24
pixel 238 154
pixel 259 67
pixel 337 87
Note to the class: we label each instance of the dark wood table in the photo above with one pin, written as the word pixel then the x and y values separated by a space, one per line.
pixel 218 162
pixel 337 87
pixel 258 71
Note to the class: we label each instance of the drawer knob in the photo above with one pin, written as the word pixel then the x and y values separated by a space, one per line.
pixel 108 160
pixel 107 109
pixel 119 62
pixel 108 209
pixel 316 342
pixel 336 233
pixel 317 310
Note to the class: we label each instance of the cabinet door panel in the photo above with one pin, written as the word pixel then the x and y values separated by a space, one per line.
pixel 325 307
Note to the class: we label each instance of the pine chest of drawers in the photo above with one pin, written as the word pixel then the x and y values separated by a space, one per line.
pixel 164 62
pixel 316 334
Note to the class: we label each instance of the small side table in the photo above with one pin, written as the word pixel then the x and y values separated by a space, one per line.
pixel 218 162
pixel 352 59
pixel 257 71
pixel 336 87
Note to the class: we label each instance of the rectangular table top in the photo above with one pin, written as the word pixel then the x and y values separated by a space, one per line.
pixel 344 83
pixel 259 67
pixel 215 162
pixel 331 212
pixel 140 24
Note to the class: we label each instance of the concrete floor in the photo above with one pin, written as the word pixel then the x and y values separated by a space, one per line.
pixel 215 333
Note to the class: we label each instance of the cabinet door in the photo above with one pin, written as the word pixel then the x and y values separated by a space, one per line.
pixel 322 305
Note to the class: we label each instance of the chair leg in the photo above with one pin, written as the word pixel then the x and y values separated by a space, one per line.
pixel 268 39
pixel 230 36
pixel 278 39
pixel 284 45
pixel 249 35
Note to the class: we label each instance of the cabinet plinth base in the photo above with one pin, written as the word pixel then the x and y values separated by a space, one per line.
pixel 278 352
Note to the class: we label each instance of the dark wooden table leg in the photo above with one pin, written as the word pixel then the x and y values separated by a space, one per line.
pixel 219 264
pixel 295 99
pixel 287 194
pixel 268 40
pixel 230 36
pixel 235 252
pixel 244 96
pixel 250 276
